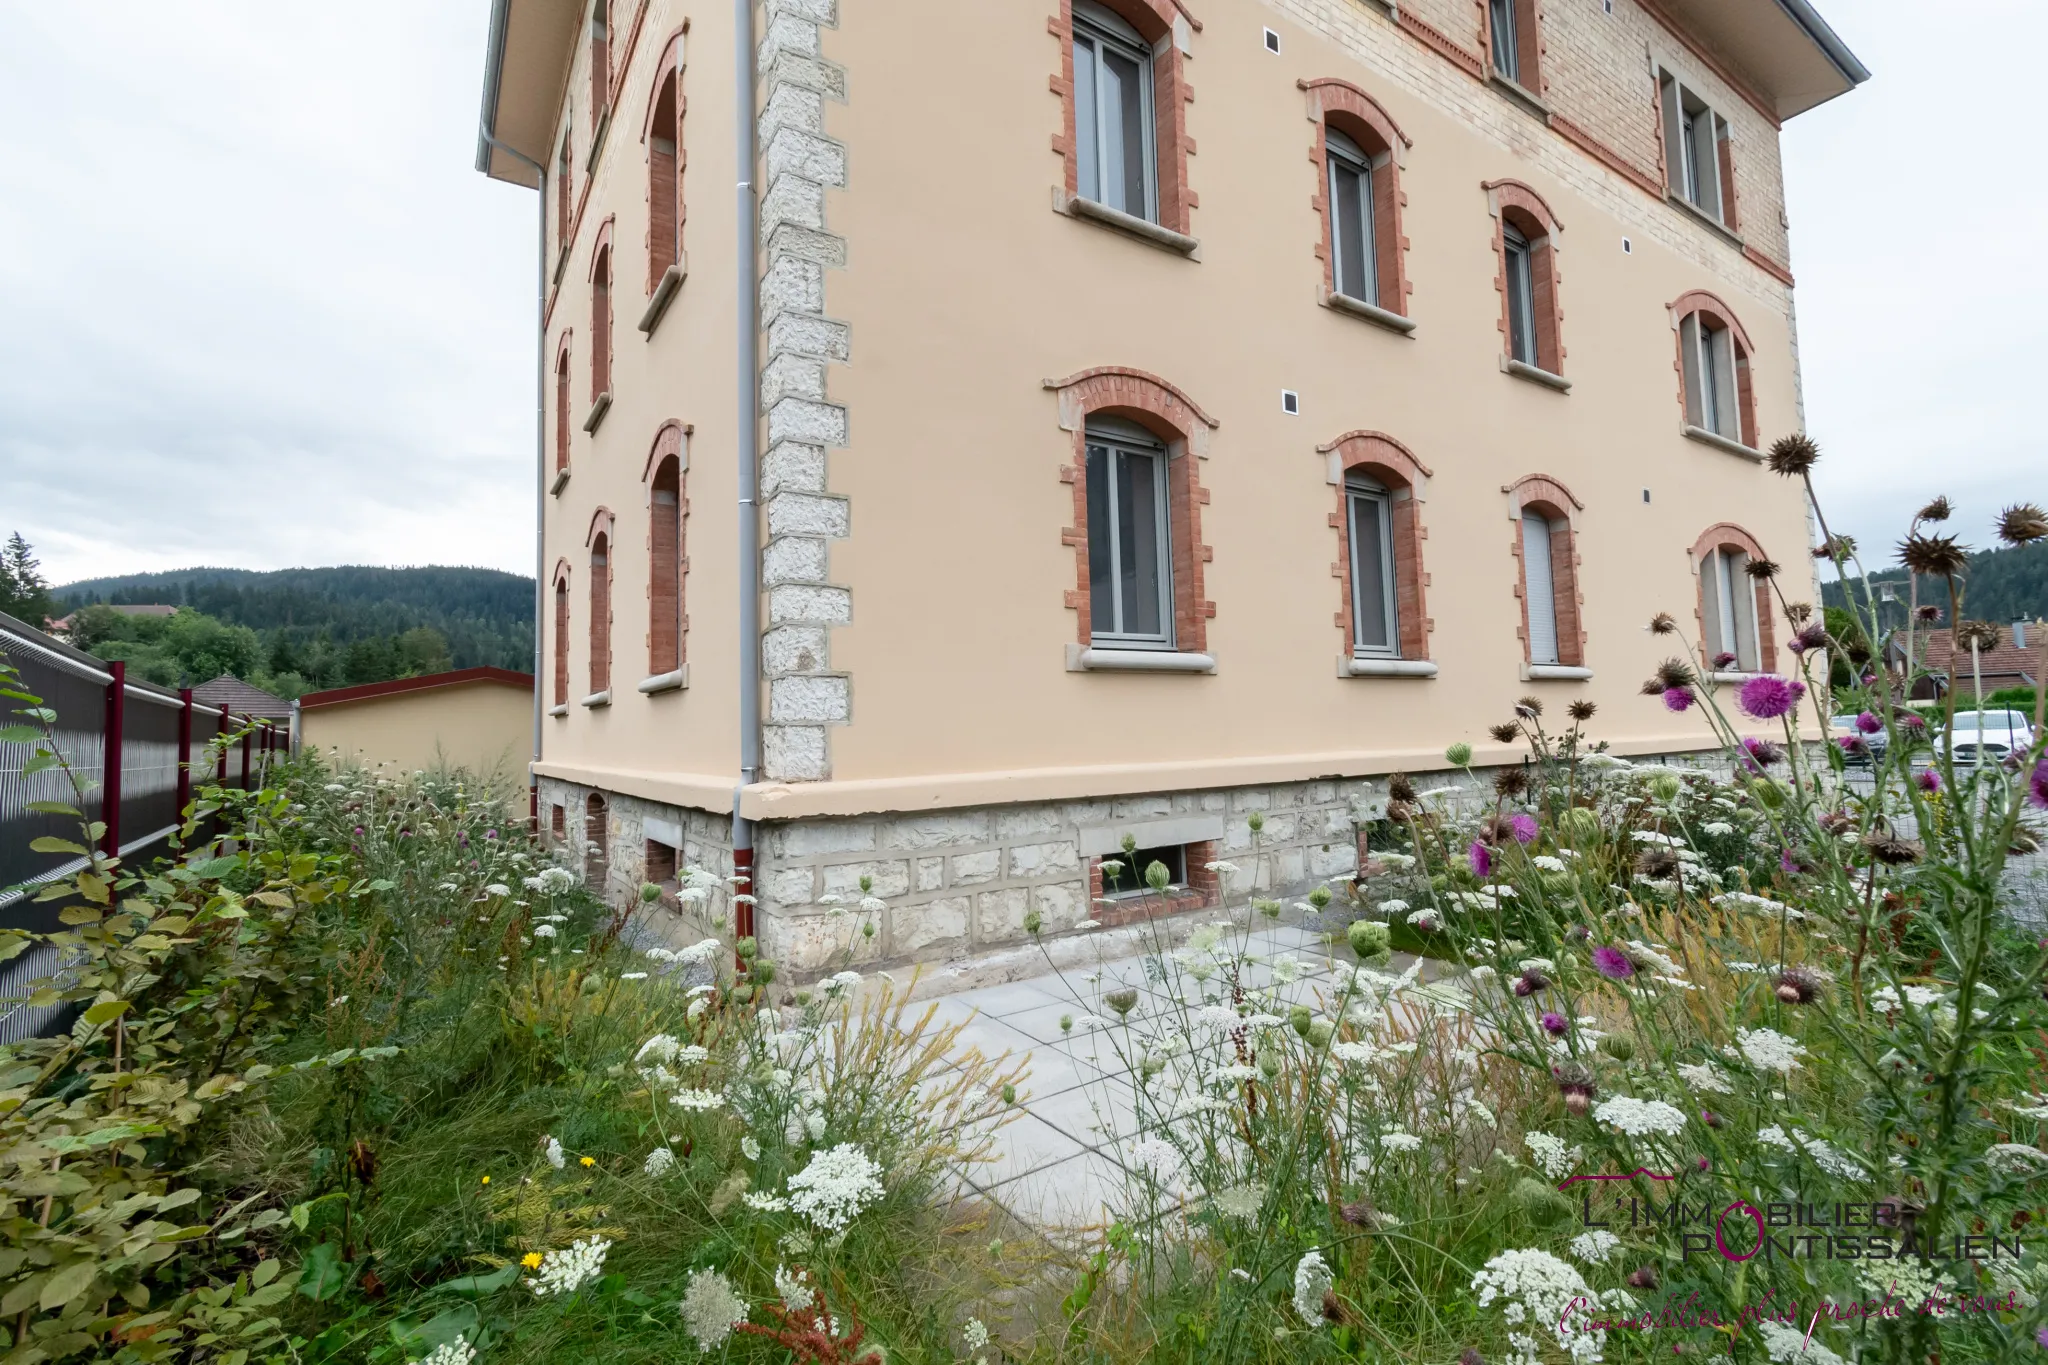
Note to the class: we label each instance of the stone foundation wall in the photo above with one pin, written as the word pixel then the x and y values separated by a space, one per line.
pixel 705 841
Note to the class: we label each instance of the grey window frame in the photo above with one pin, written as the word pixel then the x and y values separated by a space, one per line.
pixel 1341 154
pixel 1123 440
pixel 1693 133
pixel 1507 52
pixel 1096 29
pixel 1730 609
pixel 1519 267
pixel 1540 605
pixel 1363 492
pixel 1712 394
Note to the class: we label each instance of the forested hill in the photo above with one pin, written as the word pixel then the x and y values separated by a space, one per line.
pixel 2002 584
pixel 485 615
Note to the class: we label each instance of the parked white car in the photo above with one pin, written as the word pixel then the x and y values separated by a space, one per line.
pixel 1987 736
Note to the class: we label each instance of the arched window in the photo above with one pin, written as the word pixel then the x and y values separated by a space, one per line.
pixel 600 329
pixel 665 162
pixel 600 64
pixel 1379 554
pixel 666 623
pixel 1138 531
pixel 1734 605
pixel 1546 553
pixel 562 422
pixel 596 843
pixel 561 641
pixel 1123 90
pixel 1359 195
pixel 1531 319
pixel 600 615
pixel 1713 362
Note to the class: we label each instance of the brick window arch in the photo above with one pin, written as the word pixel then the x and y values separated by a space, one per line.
pixel 667 509
pixel 1143 404
pixel 1167 29
pixel 1734 609
pixel 1357 156
pixel 1372 467
pixel 666 161
pixel 563 400
pixel 1525 249
pixel 561 641
pixel 600 321
pixel 599 542
pixel 1546 553
pixel 1714 386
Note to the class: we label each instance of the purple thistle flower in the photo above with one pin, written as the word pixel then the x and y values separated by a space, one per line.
pixel 1523 826
pixel 1613 963
pixel 1930 781
pixel 1482 859
pixel 1868 723
pixel 1554 1024
pixel 1767 697
pixel 1724 661
pixel 490 834
pixel 1678 699
pixel 1762 753
pixel 2042 1337
pixel 2037 785
pixel 1852 744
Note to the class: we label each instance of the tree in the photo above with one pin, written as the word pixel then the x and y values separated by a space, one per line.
pixel 24 592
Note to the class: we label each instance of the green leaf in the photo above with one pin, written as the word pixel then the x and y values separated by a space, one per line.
pixel 324 1275
pixel 51 844
pixel 217 868
pixel 437 1331
pixel 106 1011
pixel 20 734
pixel 266 1272
pixel 56 808
pixel 479 1286
pixel 68 1283
pixel 383 884
pixel 41 761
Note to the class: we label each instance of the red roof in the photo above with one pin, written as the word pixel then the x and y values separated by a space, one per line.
pixel 503 677
pixel 2007 660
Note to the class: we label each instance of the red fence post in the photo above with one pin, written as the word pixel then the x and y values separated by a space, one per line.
pixel 110 763
pixel 184 750
pixel 220 777
pixel 247 730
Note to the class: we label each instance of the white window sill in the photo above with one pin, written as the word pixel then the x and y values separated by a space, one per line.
pixel 1732 677
pixel 1370 312
pixel 1519 93
pixel 1096 659
pixel 604 125
pixel 664 293
pixel 1709 219
pixel 597 699
pixel 1720 442
pixel 666 682
pixel 559 710
pixel 598 409
pixel 1555 673
pixel 561 264
pixel 1521 369
pixel 1165 238
pixel 561 482
pixel 1356 667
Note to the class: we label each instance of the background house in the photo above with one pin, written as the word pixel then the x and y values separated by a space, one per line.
pixel 480 719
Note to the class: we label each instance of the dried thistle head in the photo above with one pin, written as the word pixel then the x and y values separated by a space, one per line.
pixel 1643 1277
pixel 1662 624
pixel 1835 547
pixel 1505 734
pixel 1400 788
pixel 1510 783
pixel 1798 612
pixel 1982 635
pixel 1653 688
pixel 1529 707
pixel 1934 556
pixel 1674 673
pixel 1893 851
pixel 1658 864
pixel 1938 510
pixel 1927 614
pixel 1793 456
pixel 2022 524
pixel 1581 710
pixel 1798 986
pixel 1761 569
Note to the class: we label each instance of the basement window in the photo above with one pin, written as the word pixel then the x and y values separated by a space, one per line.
pixel 1131 880
pixel 661 865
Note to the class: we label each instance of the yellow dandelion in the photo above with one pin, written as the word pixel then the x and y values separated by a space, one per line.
pixel 588 1160
pixel 531 1260
pixel 487 1180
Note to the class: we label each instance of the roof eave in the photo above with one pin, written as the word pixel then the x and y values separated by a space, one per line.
pixel 1827 40
pixel 494 74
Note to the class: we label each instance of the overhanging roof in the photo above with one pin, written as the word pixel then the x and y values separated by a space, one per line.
pixel 461 677
pixel 526 66
pixel 1783 46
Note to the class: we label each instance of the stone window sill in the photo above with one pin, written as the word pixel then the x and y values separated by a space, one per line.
pixel 1369 312
pixel 1709 219
pixel 598 409
pixel 561 482
pixel 1555 673
pixel 664 293
pixel 1720 442
pixel 561 264
pixel 1096 659
pixel 674 681
pixel 1519 94
pixel 1732 677
pixel 1151 233
pixel 597 699
pixel 1356 667
pixel 1523 370
pixel 559 709
pixel 604 125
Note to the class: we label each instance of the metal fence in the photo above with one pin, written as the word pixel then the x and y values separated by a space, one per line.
pixel 134 752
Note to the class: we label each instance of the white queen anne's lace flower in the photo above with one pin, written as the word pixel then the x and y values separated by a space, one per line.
pixel 835 1187
pixel 1154 1156
pixel 1789 1346
pixel 568 1269
pixel 1400 1142
pixel 2016 1158
pixel 554 1152
pixel 699 1100
pixel 795 1291
pixel 1538 1290
pixel 456 1352
pixel 1640 1118
pixel 1552 1156
pixel 1596 1247
pixel 659 1162
pixel 1312 1280
pixel 711 1309
pixel 1768 1050
pixel 1704 1077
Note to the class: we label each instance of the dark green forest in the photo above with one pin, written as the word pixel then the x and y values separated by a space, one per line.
pixel 293 631
pixel 2002 585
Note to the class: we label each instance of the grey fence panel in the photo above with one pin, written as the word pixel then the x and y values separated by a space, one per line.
pixel 149 764
pixel 77 693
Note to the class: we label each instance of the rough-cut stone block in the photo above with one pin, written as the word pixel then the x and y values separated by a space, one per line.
pixel 1063 904
pixel 915 832
pixel 795 559
pixel 1252 798
pixel 788 885
pixel 1332 860
pixel 792 199
pixel 824 12
pixel 929 873
pixel 809 700
pixel 887 877
pixel 1140 807
pixel 1015 824
pixel 1044 860
pixel 794 649
pixel 913 927
pixel 792 376
pixel 1214 801
pixel 787 34
pixel 794 151
pixel 821 248
pixel 813 838
pixel 969 868
pixel 794 419
pixel 807 514
pixel 794 753
pixel 811 606
pixel 813 944
pixel 793 283
pixel 791 106
pixel 793 465
pixel 1290 867
pixel 791 68
pixel 801 334
pixel 999 915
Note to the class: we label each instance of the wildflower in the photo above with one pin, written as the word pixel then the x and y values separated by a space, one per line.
pixel 1767 1050
pixel 1613 963
pixel 1581 710
pixel 659 1162
pixel 1793 456
pixel 1930 781
pixel 531 1260
pixel 1552 1156
pixel 975 1335
pixel 1400 1142
pixel 1575 1083
pixel 1678 699
pixel 1793 1345
pixel 762 1202
pixel 1663 624
pixel 2014 1158
pixel 1458 755
pixel 1554 1024
pixel 1523 826
pixel 1640 1118
pixel 1704 1077
pixel 835 1187
pixel 2022 523
pixel 586 1162
pixel 711 1309
pixel 485 1181
pixel 1595 1247
pixel 1539 1290
pixel 1762 753
pixel 1242 1202
pixel 545 931
pixel 456 1352
pixel 1312 1280
pixel 796 1294
pixel 1768 696
pixel 554 1153
pixel 699 1100
pixel 1481 857
pixel 1504 734
pixel 567 1270
pixel 1934 556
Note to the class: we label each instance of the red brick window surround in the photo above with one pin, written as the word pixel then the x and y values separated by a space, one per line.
pixel 1715 390
pixel 667 625
pixel 1698 151
pixel 1116 902
pixel 1165 28
pixel 563 420
pixel 1525 247
pixel 600 544
pixel 1357 156
pixel 666 160
pixel 601 314
pixel 1514 42
pixel 561 641
pixel 1115 399
pixel 1736 629
pixel 600 63
pixel 1373 463
pixel 1545 514
pixel 565 192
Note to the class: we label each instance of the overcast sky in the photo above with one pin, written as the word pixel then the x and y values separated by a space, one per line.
pixel 243 255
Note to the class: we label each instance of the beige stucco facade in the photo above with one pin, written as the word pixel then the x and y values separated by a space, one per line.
pixel 483 725
pixel 926 288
